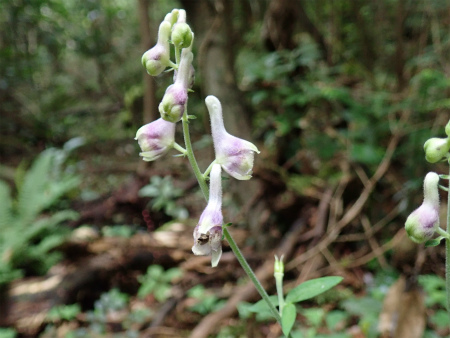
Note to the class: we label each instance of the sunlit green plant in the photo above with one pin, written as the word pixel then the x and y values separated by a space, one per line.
pixel 164 196
pixel 29 233
pixel 158 282
pixel 206 302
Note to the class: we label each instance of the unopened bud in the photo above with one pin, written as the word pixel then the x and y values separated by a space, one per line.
pixel 424 221
pixel 436 149
pixel 181 35
pixel 447 129
pixel 157 59
pixel 174 102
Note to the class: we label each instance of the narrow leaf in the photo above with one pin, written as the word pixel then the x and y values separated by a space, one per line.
pixel 434 242
pixel 262 305
pixel 288 318
pixel 312 288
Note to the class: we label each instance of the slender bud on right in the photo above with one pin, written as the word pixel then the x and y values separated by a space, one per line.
pixel 424 221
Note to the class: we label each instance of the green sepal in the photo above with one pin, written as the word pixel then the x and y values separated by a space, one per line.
pixel 179 155
pixel 443 187
pixel 434 242
pixel 444 177
pixel 192 117
pixel 288 318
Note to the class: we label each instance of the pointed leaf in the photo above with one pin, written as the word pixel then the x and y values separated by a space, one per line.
pixel 434 242
pixel 288 318
pixel 312 288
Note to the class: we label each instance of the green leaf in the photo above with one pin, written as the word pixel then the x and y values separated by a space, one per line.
pixel 434 242
pixel 262 305
pixel 312 288
pixel 288 318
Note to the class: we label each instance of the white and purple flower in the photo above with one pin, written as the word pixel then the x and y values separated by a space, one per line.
pixel 174 102
pixel 157 59
pixel 423 222
pixel 155 139
pixel 234 154
pixel 208 232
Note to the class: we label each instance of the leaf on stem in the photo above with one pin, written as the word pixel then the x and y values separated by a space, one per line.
pixel 288 318
pixel 312 288
pixel 434 242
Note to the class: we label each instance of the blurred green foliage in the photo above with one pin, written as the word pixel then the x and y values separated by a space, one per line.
pixel 158 282
pixel 164 197
pixel 29 234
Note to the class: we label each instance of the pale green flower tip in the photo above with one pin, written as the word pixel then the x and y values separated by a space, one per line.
pixel 278 265
pixel 412 224
pixel 172 17
pixel 447 129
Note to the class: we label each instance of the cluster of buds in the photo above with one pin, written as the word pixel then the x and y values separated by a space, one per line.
pixel 423 222
pixel 232 154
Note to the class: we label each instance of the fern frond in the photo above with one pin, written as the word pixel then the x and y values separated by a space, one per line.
pixel 5 206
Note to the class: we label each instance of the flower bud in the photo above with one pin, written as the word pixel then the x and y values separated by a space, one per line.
pixel 181 35
pixel 155 139
pixel 175 99
pixel 423 222
pixel 447 129
pixel 157 59
pixel 208 232
pixel 436 149
pixel 278 265
pixel 234 154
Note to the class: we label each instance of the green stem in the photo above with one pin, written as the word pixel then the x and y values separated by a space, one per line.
pixel 443 233
pixel 208 170
pixel 191 157
pixel 240 257
pixel 176 146
pixel 233 245
pixel 447 256
pixel 279 284
pixel 177 55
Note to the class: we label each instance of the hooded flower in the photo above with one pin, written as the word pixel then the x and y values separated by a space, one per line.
pixel 174 101
pixel 424 221
pixel 157 59
pixel 208 232
pixel 155 139
pixel 235 155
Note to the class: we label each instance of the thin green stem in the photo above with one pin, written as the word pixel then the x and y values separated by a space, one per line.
pixel 443 233
pixel 177 55
pixel 176 146
pixel 240 257
pixel 208 170
pixel 190 154
pixel 447 256
pixel 279 284
pixel 204 187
